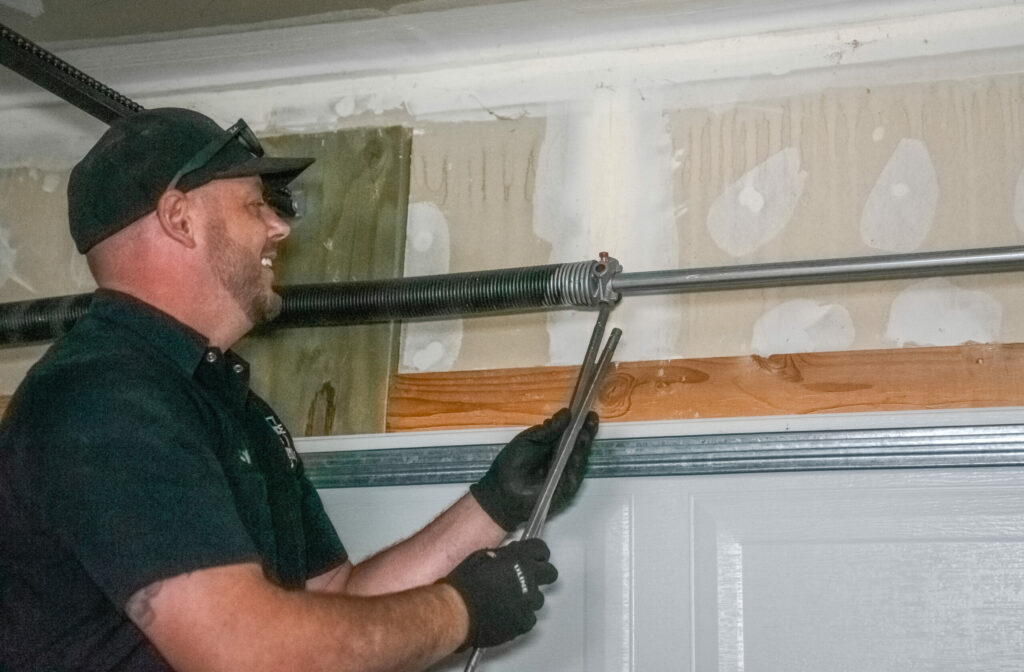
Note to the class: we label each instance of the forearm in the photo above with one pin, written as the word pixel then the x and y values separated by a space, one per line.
pixel 429 554
pixel 508 493
pixel 273 629
pixel 408 630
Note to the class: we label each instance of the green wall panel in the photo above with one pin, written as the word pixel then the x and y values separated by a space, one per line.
pixel 353 202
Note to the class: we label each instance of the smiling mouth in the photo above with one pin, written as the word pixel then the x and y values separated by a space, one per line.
pixel 267 262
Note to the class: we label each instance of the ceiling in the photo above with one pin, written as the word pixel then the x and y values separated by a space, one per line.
pixel 62 21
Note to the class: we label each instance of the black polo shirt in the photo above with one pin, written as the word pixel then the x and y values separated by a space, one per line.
pixel 132 452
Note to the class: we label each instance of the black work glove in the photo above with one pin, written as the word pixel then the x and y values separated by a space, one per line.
pixel 509 489
pixel 501 589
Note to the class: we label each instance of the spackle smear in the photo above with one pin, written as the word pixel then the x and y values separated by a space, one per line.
pixel 434 345
pixel 900 209
pixel 7 258
pixel 937 312
pixel 1018 202
pixel 604 183
pixel 803 325
pixel 757 207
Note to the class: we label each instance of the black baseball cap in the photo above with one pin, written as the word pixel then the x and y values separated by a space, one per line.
pixel 139 157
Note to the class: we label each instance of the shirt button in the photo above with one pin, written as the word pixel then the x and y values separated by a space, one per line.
pixel 211 357
pixel 238 368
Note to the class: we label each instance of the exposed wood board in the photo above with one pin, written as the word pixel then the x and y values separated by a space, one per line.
pixel 966 376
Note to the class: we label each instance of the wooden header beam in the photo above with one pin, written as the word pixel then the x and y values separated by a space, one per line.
pixel 966 376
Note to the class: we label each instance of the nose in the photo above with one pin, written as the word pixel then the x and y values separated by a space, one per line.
pixel 277 227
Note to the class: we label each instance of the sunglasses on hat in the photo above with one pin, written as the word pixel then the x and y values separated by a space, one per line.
pixel 239 130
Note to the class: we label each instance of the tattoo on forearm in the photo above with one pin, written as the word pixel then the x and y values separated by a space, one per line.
pixel 139 608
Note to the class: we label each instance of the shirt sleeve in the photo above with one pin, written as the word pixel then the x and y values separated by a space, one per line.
pixel 127 480
pixel 324 550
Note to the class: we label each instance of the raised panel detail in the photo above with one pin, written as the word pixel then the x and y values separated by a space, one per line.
pixel 914 569
pixel 866 576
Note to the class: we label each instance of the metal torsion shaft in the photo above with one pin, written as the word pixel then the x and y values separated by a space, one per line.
pixel 512 289
pixel 822 271
pixel 532 288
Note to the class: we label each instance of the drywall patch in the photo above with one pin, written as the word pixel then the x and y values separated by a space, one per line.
pixel 758 206
pixel 937 312
pixel 33 8
pixel 7 257
pixel 346 107
pixel 51 182
pixel 1018 202
pixel 434 345
pixel 803 325
pixel 604 183
pixel 900 209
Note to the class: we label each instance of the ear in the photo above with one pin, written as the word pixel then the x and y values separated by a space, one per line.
pixel 176 214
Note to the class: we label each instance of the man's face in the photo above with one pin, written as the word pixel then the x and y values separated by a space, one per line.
pixel 242 245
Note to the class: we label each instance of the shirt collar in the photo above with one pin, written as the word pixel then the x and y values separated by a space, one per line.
pixel 185 346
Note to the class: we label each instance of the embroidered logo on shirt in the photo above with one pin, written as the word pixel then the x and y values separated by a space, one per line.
pixel 286 439
pixel 243 455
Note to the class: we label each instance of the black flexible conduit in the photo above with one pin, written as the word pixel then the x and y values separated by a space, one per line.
pixel 40 319
pixel 509 289
pixel 483 292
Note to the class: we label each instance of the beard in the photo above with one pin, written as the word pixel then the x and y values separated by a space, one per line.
pixel 242 276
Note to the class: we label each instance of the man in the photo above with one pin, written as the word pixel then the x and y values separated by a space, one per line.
pixel 155 518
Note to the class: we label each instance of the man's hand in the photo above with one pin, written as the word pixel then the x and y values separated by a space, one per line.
pixel 509 489
pixel 501 589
